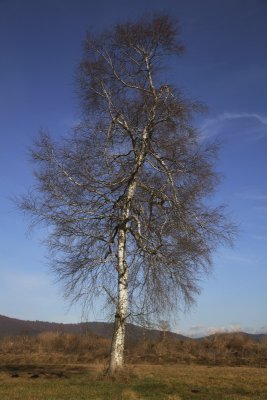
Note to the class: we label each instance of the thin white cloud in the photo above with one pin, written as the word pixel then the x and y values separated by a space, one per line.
pixel 197 328
pixel 260 237
pixel 261 330
pixel 261 209
pixel 202 330
pixel 261 118
pixel 239 258
pixel 252 194
pixel 224 329
pixel 213 126
pixel 198 331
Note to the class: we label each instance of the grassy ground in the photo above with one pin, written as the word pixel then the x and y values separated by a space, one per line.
pixel 173 382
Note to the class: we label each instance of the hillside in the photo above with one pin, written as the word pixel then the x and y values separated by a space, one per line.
pixel 28 341
pixel 257 337
pixel 13 327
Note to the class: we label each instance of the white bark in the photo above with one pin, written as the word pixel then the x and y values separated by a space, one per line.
pixel 118 339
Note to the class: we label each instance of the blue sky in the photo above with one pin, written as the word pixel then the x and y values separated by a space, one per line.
pixel 225 66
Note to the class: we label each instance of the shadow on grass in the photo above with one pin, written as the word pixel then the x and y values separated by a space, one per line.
pixel 32 371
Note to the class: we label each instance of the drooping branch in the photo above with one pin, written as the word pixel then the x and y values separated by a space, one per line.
pixel 124 195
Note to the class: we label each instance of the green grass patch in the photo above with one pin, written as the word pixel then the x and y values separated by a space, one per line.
pixel 139 382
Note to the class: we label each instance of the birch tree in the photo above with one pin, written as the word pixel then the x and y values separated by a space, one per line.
pixel 124 193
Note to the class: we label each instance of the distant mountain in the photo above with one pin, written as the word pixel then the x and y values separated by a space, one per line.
pixel 12 326
pixel 257 337
pixel 254 336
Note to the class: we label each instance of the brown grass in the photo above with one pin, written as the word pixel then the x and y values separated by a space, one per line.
pixel 57 347
pixel 144 381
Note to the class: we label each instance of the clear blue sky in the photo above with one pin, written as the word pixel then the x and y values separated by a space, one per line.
pixel 225 66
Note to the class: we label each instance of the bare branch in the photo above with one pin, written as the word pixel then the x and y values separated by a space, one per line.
pixel 124 195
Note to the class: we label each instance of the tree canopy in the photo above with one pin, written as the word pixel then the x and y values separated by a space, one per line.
pixel 124 194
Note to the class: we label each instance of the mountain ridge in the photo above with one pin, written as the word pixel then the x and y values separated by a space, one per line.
pixel 13 327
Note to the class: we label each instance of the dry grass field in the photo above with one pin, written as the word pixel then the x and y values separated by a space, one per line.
pixel 56 366
pixel 175 382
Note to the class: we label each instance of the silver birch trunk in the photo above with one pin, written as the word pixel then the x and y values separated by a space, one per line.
pixel 118 339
